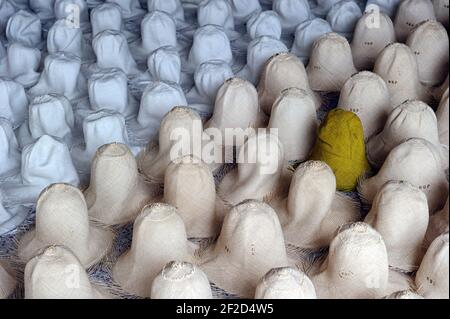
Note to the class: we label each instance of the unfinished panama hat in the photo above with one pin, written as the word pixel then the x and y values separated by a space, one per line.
pixel 404 294
pixel 131 9
pixel 9 150
pixel 432 277
pixel 442 115
pixel 159 236
pixel 439 224
pixel 398 207
pixel 174 8
pixel 24 27
pixel 56 273
pixel 51 115
pixel 430 44
pixel 282 71
pixel 157 100
pixel 117 192
pixel 74 11
pixel 409 14
pixel 397 65
pixel 313 210
pixel 45 162
pixel 62 219
pixel 367 95
pixel 108 16
pixel 441 90
pixel 14 102
pixel 189 186
pixel 7 281
pixel 154 160
pixel 164 64
pixel 373 32
pixel 258 52
pixel 388 7
pixel 7 9
pixel 264 23
pixel 306 34
pixel 285 283
pixel 250 244
pixel 411 119
pixel 329 75
pixel 217 12
pixel 21 64
pixel 2 50
pixel 244 10
pixel 181 280
pixel 112 51
pixel 441 11
pixel 61 75
pixel 42 9
pixel 11 218
pixel 343 17
pixel 405 163
pixel 291 13
pixel 322 7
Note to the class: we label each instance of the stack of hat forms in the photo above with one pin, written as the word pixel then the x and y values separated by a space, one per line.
pixel 181 149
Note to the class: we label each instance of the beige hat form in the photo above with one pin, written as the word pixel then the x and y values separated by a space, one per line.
pixel 313 210
pixel 56 273
pixel 282 71
pixel 411 119
pixel 189 186
pixel 406 162
pixel 404 294
pixel 250 244
pixel 329 75
pixel 397 65
pixel 159 236
pixel 442 115
pixel 432 278
pixel 181 280
pixel 441 11
pixel 439 224
pixel 7 281
pixel 62 219
pixel 409 14
pixel 117 192
pixel 285 283
pixel 430 44
pixel 397 208
pixel 373 32
pixel 367 95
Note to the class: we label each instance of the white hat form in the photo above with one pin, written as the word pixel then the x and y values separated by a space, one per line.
pixel 244 10
pixel 216 12
pixel 21 64
pixel 323 7
pixel 181 280
pixel 264 23
pixel 343 17
pixel 2 50
pixel 14 102
pixel 398 67
pixel 154 161
pixel 164 64
pixel 62 219
pixel 131 9
pixel 9 150
pixel 405 163
pixel 7 9
pixel 388 7
pixel 250 244
pixel 173 8
pixel 441 11
pixel 210 43
pixel 439 224
pixel 24 27
pixel 189 186
pixel 430 44
pixel 61 75
pixel 10 219
pixel 7 282
pixel 112 51
pixel 313 210
pixel 208 79
pixel 258 174
pixel 282 71
pixel 49 114
pixel 411 119
pixel 259 51
pixel 442 115
pixel 42 8
pixel 291 13
pixel 285 283
pixel 157 100
pixel 117 192
pixel 409 14
pixel 404 294
pixel 432 278
pixel 397 208
pixel 56 273
pixel 45 162
pixel 367 95
pixel 108 16
pixel 75 11
pixel 306 34
pixel 159 236
pixel 373 32
pixel 329 75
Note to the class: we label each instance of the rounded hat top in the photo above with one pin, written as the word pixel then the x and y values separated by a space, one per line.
pixel 264 23
pixel 106 16
pixel 409 14
pixel 24 27
pixel 164 64
pixel 14 102
pixel 291 13
pixel 173 8
pixel 216 12
pixel 343 17
pixel 306 34
pixel 210 76
pixel 243 10
pixel 65 38
pixel 158 30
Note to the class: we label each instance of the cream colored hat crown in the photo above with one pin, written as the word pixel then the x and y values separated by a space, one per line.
pixel 442 114
pixel 131 9
pixel 7 282
pixel 24 27
pixel 181 280
pixel 409 14
pixel 159 237
pixel 441 11
pixel 432 277
pixel 21 64
pixel 327 74
pixel 62 219
pixel 439 224
pixel 244 10
pixel 291 13
pixel 164 64
pixel 343 17
pixel 14 102
pixel 9 150
pixel 285 283
pixel 264 23
pixel 250 244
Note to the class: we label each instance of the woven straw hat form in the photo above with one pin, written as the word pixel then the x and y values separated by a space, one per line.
pixel 106 16
pixel 14 102
pixel 439 224
pixel 264 23
pixel 343 17
pixel 442 114
pixel 244 10
pixel 131 9
pixel 7 282
pixel 9 150
pixel 404 294
pixel 409 14
pixel 24 27
pixel 217 12
pixel 173 8
pixel 61 12
pixel 291 13
pixel 21 64
pixel 42 9
pixel 164 64
pixel 441 11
